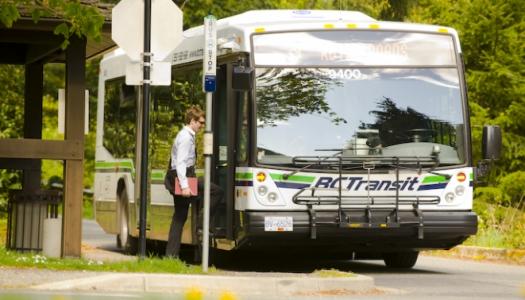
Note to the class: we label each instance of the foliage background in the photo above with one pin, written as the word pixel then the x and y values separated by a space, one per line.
pixel 492 34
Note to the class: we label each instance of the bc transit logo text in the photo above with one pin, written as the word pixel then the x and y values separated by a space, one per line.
pixel 360 183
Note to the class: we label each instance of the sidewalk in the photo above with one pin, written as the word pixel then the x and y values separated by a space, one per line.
pixel 269 285
pixel 97 254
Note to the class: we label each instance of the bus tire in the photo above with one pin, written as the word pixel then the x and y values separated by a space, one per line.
pixel 125 241
pixel 400 260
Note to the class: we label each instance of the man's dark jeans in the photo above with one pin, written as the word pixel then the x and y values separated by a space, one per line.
pixel 180 214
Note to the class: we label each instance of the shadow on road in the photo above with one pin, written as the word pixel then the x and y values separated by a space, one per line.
pixel 299 263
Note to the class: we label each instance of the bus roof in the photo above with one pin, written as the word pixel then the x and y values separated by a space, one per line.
pixel 258 18
pixel 233 33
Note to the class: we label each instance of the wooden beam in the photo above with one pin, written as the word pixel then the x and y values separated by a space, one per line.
pixel 29 37
pixel 74 130
pixel 37 53
pixel 72 216
pixel 34 86
pixel 42 149
pixel 14 54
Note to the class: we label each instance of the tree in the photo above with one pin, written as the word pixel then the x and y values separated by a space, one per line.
pixel 283 93
pixel 397 125
pixel 81 18
pixel 492 34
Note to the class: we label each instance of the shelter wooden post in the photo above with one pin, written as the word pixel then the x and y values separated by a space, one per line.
pixel 74 130
pixel 34 85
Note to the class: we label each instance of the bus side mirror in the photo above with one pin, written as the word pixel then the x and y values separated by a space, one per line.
pixel 491 150
pixel 242 78
pixel 491 142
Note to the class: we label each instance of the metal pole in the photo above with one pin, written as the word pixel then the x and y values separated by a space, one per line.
pixel 145 129
pixel 209 84
pixel 207 177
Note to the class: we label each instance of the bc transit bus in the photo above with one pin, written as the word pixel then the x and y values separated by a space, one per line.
pixel 334 132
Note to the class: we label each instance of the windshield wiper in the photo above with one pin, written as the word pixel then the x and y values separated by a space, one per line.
pixel 339 151
pixel 372 160
pixel 435 156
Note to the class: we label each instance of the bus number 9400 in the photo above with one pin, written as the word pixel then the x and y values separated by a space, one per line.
pixel 346 74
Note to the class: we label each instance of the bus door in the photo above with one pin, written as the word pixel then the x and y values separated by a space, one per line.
pixel 223 165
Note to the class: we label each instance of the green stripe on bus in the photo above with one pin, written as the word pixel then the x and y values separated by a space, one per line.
pixel 158 175
pixel 113 164
pixel 104 165
pixel 114 170
pixel 296 178
pixel 435 179
pixel 245 176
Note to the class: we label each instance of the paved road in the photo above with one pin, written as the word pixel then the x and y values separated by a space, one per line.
pixel 431 278
pixel 442 278
pixel 93 235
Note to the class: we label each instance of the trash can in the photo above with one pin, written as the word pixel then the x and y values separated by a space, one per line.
pixel 27 211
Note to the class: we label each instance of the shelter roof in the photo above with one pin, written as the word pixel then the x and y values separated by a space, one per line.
pixel 26 41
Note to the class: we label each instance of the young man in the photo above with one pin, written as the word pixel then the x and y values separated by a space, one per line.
pixel 183 158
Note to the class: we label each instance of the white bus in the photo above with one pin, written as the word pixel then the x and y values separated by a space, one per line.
pixel 334 133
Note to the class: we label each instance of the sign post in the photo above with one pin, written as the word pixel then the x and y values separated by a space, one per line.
pixel 146 44
pixel 209 85
pixel 146 56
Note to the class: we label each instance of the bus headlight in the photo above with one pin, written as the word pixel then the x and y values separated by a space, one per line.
pixel 460 190
pixel 449 197
pixel 272 197
pixel 262 190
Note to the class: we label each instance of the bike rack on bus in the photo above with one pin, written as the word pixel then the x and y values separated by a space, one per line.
pixel 320 196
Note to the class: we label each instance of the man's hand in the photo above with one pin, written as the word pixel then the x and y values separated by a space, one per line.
pixel 186 192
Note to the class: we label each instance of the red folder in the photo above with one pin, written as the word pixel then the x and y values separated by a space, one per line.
pixel 192 184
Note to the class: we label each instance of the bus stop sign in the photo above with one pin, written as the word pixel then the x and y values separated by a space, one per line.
pixel 127 29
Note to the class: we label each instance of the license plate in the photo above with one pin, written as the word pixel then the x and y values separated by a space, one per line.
pixel 278 224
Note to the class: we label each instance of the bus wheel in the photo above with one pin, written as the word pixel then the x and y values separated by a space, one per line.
pixel 401 260
pixel 124 240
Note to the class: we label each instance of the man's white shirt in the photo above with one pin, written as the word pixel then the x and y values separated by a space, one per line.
pixel 183 154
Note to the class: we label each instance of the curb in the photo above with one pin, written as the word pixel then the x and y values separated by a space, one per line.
pixel 514 256
pixel 278 285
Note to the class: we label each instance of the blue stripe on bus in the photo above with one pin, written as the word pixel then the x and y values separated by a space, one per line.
pixel 436 186
pixel 291 185
pixel 243 183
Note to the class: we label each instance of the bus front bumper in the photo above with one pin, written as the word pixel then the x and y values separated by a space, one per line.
pixel 361 230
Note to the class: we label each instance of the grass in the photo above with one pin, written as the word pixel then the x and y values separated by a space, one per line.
pixel 17 259
pixel 330 273
pixel 499 226
pixel 149 265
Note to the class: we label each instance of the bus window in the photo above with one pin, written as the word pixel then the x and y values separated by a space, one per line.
pixel 119 118
pixel 169 104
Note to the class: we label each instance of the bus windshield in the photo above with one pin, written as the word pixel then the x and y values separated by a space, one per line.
pixel 386 111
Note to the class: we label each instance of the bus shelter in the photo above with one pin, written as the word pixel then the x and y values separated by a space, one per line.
pixel 33 45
